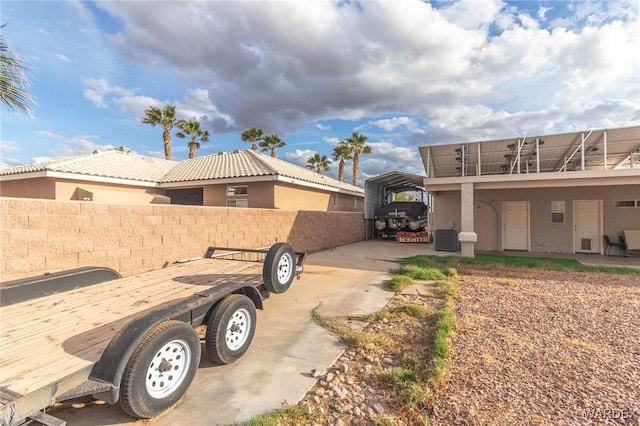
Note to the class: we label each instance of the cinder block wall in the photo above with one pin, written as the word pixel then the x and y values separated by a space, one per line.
pixel 39 236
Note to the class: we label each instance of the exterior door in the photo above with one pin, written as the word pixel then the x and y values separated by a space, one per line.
pixel 515 225
pixel 587 226
pixel 485 225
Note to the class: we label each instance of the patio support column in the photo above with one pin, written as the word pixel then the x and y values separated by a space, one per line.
pixel 467 236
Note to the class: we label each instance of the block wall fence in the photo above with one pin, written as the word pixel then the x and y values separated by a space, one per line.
pixel 39 236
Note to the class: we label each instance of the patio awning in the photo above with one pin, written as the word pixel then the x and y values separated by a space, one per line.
pixel 577 151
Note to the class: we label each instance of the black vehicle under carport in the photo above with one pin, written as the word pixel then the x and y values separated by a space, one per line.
pixel 385 215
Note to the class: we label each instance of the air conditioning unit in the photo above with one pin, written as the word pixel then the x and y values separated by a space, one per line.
pixel 446 240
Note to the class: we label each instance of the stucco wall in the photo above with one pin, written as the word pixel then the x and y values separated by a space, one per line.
pixel 39 236
pixel 292 197
pixel 29 188
pixel 545 235
pixel 259 195
pixel 108 193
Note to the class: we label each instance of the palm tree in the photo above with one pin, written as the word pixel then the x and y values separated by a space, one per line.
pixel 167 119
pixel 341 153
pixel 318 162
pixel 271 142
pixel 192 129
pixel 254 136
pixel 357 145
pixel 14 84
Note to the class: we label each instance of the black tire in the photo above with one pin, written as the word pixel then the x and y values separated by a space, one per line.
pixel 279 268
pixel 145 390
pixel 230 328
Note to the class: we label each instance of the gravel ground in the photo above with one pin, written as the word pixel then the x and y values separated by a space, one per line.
pixel 545 348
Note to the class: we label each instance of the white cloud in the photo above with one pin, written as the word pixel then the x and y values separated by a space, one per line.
pixel 69 146
pixel 299 156
pixel 6 145
pixel 99 89
pixel 390 124
pixel 424 71
pixel 62 57
pixel 542 12
pixel 384 56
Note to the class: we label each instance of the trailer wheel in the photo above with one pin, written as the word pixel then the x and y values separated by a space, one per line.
pixel 230 328
pixel 160 369
pixel 279 268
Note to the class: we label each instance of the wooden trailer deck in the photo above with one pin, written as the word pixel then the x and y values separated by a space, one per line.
pixel 46 339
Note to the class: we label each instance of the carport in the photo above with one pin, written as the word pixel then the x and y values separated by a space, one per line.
pixel 377 191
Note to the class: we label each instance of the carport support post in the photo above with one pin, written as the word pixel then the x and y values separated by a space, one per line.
pixel 467 236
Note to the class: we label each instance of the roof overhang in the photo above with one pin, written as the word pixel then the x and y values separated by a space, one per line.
pixel 537 180
pixel 266 178
pixel 78 177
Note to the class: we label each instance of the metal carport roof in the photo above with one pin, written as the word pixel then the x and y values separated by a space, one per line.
pixel 376 188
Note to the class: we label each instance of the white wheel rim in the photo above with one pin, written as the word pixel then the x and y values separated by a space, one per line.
pixel 284 268
pixel 238 329
pixel 168 368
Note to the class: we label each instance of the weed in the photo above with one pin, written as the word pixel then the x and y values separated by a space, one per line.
pixel 287 415
pixel 412 309
pixel 583 345
pixel 399 282
pixel 419 272
pixel 508 282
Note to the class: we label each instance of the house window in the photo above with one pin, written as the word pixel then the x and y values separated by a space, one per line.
pixel 238 203
pixel 557 211
pixel 355 202
pixel 234 191
pixel 627 203
pixel 335 200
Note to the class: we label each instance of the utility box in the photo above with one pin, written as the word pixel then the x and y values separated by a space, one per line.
pixel 446 240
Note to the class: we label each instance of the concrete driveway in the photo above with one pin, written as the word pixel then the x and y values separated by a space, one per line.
pixel 287 344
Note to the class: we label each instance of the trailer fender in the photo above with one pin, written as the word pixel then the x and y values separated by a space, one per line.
pixel 110 368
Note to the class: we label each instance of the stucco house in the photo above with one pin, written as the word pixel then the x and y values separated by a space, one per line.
pixel 558 193
pixel 233 179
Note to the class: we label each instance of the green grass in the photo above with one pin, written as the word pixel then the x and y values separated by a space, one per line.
pixel 287 415
pixel 399 282
pixel 501 262
pixel 416 379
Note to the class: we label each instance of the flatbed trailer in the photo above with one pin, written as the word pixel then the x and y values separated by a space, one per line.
pixel 130 340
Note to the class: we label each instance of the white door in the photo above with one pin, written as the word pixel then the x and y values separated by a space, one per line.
pixel 586 226
pixel 515 225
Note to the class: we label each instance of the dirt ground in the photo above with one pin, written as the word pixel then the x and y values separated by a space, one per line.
pixel 546 348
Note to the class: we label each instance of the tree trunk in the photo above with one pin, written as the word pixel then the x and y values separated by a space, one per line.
pixel 166 136
pixel 273 152
pixel 356 168
pixel 341 170
pixel 192 151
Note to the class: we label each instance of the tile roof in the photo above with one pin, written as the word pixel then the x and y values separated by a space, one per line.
pixel 247 163
pixel 237 164
pixel 107 164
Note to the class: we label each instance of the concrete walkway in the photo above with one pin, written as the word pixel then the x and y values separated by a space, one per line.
pixel 286 347
pixel 288 344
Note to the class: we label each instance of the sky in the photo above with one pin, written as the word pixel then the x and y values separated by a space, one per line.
pixel 405 73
